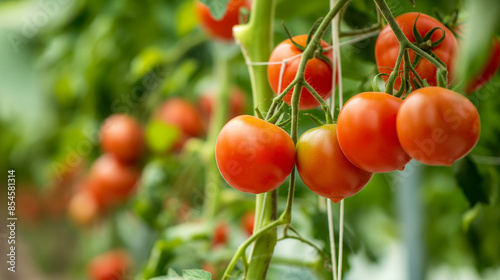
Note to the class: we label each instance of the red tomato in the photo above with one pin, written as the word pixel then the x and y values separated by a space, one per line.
pixel 254 156
pixel 222 28
pixel 122 136
pixel 221 233
pixel 181 114
pixel 323 166
pixel 238 102
pixel 366 129
pixel 111 179
pixel 437 126
pixel 83 207
pixel 112 265
pixel 248 221
pixel 387 47
pixel 318 73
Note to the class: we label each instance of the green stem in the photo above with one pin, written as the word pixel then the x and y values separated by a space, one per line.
pixel 256 40
pixel 323 254
pixel 213 180
pixel 241 250
pixel 324 105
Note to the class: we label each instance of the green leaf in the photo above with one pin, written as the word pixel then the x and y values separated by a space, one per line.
pixel 469 216
pixel 196 274
pixel 146 61
pixel 188 274
pixel 185 20
pixel 161 137
pixel 471 181
pixel 217 7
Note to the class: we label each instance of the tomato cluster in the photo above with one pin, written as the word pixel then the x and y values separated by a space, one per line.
pixel 381 133
pixel 114 174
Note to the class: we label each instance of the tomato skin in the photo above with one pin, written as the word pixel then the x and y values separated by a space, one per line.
pixel 254 156
pixel 318 72
pixel 122 136
pixel 387 47
pixel 366 130
pixel 110 179
pixel 112 265
pixel 437 126
pixel 223 28
pixel 323 166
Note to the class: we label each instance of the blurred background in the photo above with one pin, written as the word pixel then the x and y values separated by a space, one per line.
pixel 65 66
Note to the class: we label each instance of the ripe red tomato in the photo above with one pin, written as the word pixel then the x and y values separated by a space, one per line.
pixel 387 47
pixel 323 166
pixel 248 221
pixel 366 129
pixel 254 156
pixel 222 28
pixel 112 265
pixel 221 233
pixel 318 73
pixel 181 114
pixel 437 126
pixel 111 179
pixel 238 103
pixel 122 136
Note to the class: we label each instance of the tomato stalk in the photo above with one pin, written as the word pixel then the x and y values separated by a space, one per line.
pixel 405 44
pixel 256 39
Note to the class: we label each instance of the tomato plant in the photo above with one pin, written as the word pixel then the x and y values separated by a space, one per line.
pixel 323 166
pixel 437 126
pixel 111 265
pixel 253 155
pixel 318 72
pixel 222 28
pixel 122 137
pixel 366 129
pixel 387 46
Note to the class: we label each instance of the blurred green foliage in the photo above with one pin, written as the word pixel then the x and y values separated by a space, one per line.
pixel 67 65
